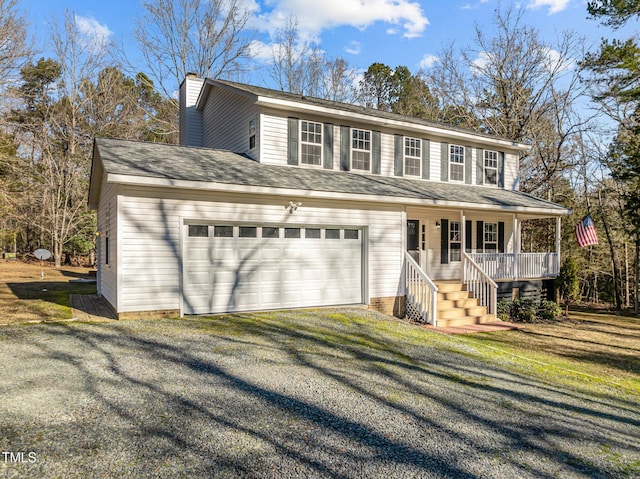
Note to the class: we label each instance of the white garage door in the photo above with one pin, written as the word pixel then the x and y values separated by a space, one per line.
pixel 243 268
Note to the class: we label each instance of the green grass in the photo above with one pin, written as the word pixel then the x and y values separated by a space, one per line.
pixel 46 301
pixel 355 333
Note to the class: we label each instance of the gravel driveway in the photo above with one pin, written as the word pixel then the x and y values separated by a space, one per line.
pixel 321 396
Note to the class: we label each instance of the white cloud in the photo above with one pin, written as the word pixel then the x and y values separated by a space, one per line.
pixel 481 62
pixel 260 51
pixel 353 48
pixel 96 35
pixel 428 61
pixel 314 17
pixel 556 63
pixel 555 6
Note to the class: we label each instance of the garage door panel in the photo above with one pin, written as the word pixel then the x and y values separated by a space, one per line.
pixel 242 274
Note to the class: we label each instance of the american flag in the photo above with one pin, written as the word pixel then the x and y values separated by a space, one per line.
pixel 586 232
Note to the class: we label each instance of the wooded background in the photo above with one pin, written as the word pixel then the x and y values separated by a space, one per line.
pixel 579 110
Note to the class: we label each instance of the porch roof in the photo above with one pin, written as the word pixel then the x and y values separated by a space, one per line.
pixel 154 164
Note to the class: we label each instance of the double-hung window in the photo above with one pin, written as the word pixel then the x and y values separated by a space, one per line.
pixel 360 149
pixel 310 143
pixel 455 241
pixel 490 167
pixel 456 163
pixel 490 237
pixel 412 156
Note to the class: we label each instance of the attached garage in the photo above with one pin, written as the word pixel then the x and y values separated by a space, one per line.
pixel 231 267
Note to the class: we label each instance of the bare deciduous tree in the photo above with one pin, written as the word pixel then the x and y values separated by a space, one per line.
pixel 517 86
pixel 298 66
pixel 13 41
pixel 206 37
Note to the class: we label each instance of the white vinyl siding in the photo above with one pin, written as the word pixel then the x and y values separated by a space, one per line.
pixel 190 121
pixel 108 274
pixel 273 144
pixel 151 267
pixel 511 171
pixel 226 118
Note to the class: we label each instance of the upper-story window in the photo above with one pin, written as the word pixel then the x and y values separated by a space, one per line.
pixel 252 133
pixel 490 167
pixel 456 163
pixel 412 156
pixel 360 149
pixel 310 143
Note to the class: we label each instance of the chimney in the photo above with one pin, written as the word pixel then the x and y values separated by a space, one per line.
pixel 189 117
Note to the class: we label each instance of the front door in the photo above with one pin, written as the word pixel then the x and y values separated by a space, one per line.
pixel 413 239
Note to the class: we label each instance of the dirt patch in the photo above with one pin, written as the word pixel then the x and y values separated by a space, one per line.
pixel 25 295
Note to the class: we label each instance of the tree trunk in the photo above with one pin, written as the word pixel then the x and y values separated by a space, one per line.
pixel 627 292
pixel 637 273
pixel 612 250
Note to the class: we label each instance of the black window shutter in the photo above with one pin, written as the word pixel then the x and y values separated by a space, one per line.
pixel 444 241
pixel 426 156
pixel 479 236
pixel 376 152
pixel 479 166
pixel 501 237
pixel 468 163
pixel 292 150
pixel 444 162
pixel 501 169
pixel 328 146
pixel 398 147
pixel 345 142
pixel 467 235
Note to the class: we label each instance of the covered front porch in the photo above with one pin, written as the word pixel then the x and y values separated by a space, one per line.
pixel 477 248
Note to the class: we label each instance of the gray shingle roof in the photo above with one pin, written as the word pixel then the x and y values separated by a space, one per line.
pixel 171 162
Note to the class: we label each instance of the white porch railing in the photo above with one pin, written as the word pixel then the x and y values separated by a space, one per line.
pixel 480 284
pixel 422 293
pixel 517 266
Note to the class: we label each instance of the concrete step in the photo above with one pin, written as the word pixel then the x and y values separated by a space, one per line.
pixel 462 312
pixel 466 320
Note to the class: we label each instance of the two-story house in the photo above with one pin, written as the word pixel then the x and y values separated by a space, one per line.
pixel 274 200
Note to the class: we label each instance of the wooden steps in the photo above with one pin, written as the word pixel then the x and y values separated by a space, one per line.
pixel 457 308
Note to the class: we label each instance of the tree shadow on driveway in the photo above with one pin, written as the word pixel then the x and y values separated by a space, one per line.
pixel 257 396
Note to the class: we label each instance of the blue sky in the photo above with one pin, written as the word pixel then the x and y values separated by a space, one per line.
pixel 395 32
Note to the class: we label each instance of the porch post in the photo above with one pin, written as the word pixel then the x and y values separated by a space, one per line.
pixel 463 242
pixel 558 242
pixel 516 247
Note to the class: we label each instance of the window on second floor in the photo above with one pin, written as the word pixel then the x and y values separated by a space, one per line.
pixel 412 156
pixel 456 163
pixel 360 149
pixel 310 143
pixel 490 167
pixel 252 133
